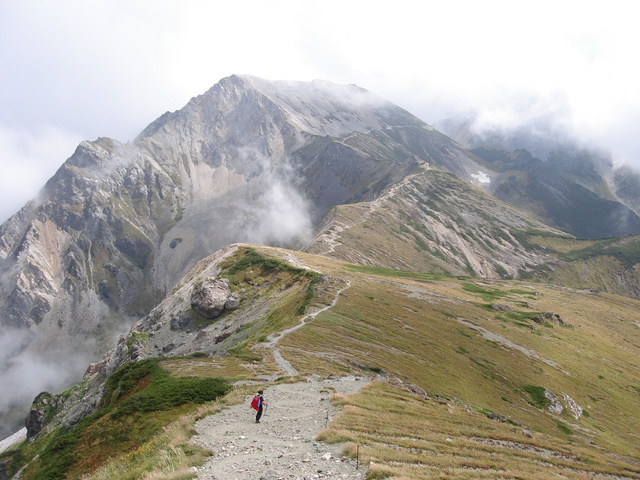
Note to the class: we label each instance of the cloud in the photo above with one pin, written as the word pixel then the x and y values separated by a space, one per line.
pixel 108 68
pixel 29 159
pixel 276 212
pixel 283 216
pixel 26 371
pixel 23 375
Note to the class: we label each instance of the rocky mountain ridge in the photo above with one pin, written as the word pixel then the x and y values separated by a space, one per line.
pixel 118 226
pixel 432 221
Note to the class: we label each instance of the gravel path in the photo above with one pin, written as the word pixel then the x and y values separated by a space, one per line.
pixel 282 445
pixel 272 341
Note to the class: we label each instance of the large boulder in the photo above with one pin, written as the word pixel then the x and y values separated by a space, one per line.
pixel 212 297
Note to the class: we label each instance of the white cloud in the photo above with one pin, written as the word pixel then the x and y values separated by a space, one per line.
pixel 29 159
pixel 110 67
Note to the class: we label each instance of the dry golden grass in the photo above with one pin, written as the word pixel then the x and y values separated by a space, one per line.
pixel 561 244
pixel 229 367
pixel 400 435
pixel 440 335
pixel 411 329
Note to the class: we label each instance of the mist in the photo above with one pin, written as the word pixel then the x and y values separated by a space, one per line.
pixel 542 124
pixel 29 367
pixel 24 374
pixel 29 159
pixel 282 215
pixel 279 212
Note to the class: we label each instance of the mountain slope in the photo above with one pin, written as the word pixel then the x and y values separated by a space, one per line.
pixel 119 224
pixel 526 380
pixel 433 222
pixel 565 191
pixel 276 163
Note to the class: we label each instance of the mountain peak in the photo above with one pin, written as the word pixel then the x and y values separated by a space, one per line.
pixel 318 107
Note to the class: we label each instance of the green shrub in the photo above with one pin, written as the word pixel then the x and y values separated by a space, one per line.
pixel 564 428
pixel 125 418
pixel 252 259
pixel 161 391
pixel 58 456
pixel 537 396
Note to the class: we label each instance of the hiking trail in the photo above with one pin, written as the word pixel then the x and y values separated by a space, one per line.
pixel 273 339
pixel 282 446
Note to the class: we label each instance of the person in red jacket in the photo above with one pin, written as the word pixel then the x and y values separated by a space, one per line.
pixel 258 404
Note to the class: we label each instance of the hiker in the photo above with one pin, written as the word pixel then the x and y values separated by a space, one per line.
pixel 258 404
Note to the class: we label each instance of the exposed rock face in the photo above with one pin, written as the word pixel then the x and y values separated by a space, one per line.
pixel 212 297
pixel 576 409
pixel 557 407
pixel 501 307
pixel 548 317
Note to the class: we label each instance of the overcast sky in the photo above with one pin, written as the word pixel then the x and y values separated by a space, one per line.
pixel 72 70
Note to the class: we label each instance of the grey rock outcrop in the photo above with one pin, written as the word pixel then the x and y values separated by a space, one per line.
pixel 212 297
pixel 43 408
pixel 554 404
pixel 548 317
pixel 576 409
pixel 501 307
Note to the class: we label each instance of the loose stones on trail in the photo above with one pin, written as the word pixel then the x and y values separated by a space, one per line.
pixel 283 445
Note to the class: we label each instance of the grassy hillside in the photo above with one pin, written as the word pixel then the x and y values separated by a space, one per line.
pixel 433 222
pixel 467 371
pixel 609 265
pixel 140 400
pixel 443 335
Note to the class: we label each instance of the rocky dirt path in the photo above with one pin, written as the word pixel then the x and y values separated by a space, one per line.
pixel 283 445
pixel 272 341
